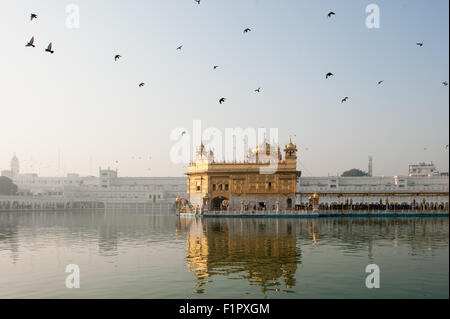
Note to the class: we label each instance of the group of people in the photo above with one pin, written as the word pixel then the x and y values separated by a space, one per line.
pixel 380 206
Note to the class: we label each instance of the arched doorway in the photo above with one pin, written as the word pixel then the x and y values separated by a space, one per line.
pixel 216 203
pixel 289 203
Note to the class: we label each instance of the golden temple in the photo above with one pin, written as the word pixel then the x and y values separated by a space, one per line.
pixel 264 180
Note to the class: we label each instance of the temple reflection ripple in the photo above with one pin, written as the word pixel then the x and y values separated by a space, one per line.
pixel 265 254
pixel 268 252
pixel 154 255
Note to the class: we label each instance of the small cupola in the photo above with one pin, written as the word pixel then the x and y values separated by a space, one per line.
pixel 290 150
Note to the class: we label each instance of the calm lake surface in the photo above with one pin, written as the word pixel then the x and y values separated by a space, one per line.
pixel 158 255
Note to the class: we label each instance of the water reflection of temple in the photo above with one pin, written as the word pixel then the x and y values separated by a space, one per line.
pixel 263 253
pixel 266 252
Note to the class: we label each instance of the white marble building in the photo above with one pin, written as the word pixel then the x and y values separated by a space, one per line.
pixel 107 187
pixel 373 184
pixel 422 169
pixel 110 187
pixel 401 189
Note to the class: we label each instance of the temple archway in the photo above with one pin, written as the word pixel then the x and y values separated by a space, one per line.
pixel 289 203
pixel 216 202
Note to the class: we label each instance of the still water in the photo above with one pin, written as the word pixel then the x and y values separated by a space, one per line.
pixel 158 255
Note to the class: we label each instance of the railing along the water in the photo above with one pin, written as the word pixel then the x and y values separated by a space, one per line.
pixel 319 213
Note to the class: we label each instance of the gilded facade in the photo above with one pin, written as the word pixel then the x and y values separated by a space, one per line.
pixel 266 180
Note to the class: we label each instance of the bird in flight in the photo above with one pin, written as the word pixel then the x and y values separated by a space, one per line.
pixel 344 99
pixel 247 30
pixel 49 49
pixel 379 82
pixel 198 1
pixel 222 100
pixel 179 48
pixel 30 43
pixel 33 16
pixel 117 57
pixel 331 13
pixel 420 44
pixel 215 67
pixel 445 83
pixel 258 90
pixel 183 133
pixel 141 84
pixel 328 75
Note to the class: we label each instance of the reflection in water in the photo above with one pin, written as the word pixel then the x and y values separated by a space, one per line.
pixel 267 252
pixel 142 255
pixel 263 253
pixel 109 230
pixel 9 234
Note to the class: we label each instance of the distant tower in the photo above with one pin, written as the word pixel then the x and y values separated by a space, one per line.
pixel 369 171
pixel 14 166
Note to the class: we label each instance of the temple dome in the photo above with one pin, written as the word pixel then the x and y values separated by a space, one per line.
pixel 263 148
pixel 291 146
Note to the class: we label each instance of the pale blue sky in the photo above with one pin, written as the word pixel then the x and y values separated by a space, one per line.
pixel 82 103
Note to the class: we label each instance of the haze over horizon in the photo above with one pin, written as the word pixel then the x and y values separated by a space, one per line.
pixel 78 109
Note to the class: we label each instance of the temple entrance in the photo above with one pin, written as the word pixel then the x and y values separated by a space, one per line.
pixel 289 203
pixel 216 203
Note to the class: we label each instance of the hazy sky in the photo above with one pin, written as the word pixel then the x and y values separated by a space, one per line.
pixel 81 104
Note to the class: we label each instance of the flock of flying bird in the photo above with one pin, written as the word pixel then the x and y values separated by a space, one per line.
pixel 329 74
pixel 221 100
pixel 118 56
pixel 31 42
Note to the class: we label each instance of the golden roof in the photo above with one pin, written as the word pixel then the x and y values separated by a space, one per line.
pixel 290 146
pixel 264 147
